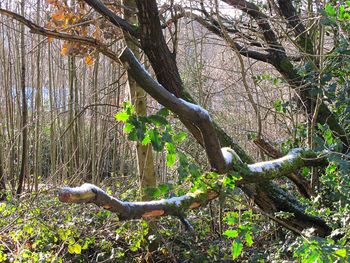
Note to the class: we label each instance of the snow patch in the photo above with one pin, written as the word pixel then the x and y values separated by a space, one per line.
pixel 86 187
pixel 171 201
pixel 194 107
pixel 274 164
pixel 230 156
pixel 227 155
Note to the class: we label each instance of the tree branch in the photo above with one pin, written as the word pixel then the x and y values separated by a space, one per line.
pixel 88 193
pixel 36 29
pixel 261 19
pixel 217 31
pixel 302 184
pixel 268 196
pixel 277 168
pixel 288 11
pixel 192 112
pixel 113 18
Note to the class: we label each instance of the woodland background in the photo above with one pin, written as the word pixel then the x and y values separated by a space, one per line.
pixel 60 124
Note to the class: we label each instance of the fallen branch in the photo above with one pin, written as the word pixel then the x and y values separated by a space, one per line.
pixel 89 193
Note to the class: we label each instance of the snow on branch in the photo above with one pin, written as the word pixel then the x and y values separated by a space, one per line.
pixel 89 193
pixel 186 110
pixel 268 170
pixel 252 173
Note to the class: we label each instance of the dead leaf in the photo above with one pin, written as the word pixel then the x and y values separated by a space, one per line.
pixel 89 60
pixel 58 16
pixel 65 49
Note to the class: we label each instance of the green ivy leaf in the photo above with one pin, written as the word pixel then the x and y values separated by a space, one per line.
pixel 153 192
pixel 170 159
pixel 74 249
pixel 122 116
pixel 249 239
pixel 129 108
pixel 278 105
pixel 194 170
pixel 231 233
pixel 128 127
pixel 163 112
pixel 179 137
pixel 2 207
pixel 330 10
pixel 64 234
pixel 156 142
pixel 313 257
pixel 164 188
pixel 328 136
pixel 146 140
pixel 237 248
pixel 132 135
pixel 170 147
pixel 340 253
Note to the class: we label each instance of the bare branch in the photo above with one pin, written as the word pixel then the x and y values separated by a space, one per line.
pixel 89 193
pixel 288 11
pixel 261 19
pixel 113 18
pixel 36 29
pixel 217 31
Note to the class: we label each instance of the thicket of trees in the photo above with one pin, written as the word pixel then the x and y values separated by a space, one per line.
pixel 238 108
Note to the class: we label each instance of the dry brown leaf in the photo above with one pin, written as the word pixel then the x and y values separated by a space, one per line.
pixel 58 16
pixel 89 60
pixel 65 49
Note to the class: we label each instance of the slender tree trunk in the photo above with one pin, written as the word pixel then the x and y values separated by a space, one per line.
pixel 72 144
pixel 94 124
pixel 53 142
pixel 38 143
pixel 138 96
pixel 2 174
pixel 24 127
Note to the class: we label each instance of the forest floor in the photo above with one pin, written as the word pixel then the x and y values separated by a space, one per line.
pixel 39 228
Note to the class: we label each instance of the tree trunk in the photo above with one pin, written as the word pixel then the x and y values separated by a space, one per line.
pixel 269 197
pixel 24 128
pixel 145 163
pixel 2 175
